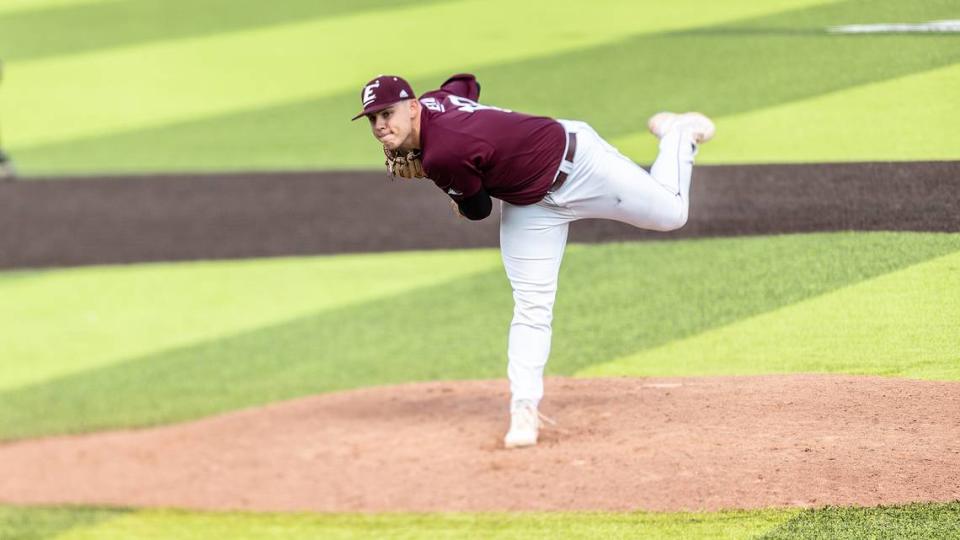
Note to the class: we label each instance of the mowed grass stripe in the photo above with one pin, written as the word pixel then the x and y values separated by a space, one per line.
pixel 728 68
pixel 718 71
pixel 21 6
pixel 67 28
pixel 185 79
pixel 900 324
pixel 918 122
pixel 175 525
pixel 614 300
pixel 59 322
pixel 920 520
pixel 39 523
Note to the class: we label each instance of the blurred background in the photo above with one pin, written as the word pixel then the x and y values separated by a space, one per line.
pixel 95 86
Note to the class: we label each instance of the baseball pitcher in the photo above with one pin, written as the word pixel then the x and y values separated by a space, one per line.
pixel 546 173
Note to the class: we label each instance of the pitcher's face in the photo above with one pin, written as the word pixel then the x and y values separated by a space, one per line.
pixel 393 126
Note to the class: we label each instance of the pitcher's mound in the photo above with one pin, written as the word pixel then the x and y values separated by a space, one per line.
pixel 620 444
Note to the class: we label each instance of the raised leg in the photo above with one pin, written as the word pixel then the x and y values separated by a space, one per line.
pixel 609 185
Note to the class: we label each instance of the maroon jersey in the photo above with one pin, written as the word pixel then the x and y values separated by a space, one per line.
pixel 466 146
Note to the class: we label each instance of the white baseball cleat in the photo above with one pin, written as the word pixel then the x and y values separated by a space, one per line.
pixel 699 126
pixel 524 427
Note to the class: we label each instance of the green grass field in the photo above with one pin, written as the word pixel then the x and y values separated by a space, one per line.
pixel 94 86
pixel 218 336
pixel 908 521
pixel 179 86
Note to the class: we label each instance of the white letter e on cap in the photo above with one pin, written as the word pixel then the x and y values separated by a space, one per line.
pixel 368 94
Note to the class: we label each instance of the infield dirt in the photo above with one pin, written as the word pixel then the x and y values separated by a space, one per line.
pixel 619 444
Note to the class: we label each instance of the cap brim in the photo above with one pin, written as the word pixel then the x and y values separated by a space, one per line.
pixel 372 110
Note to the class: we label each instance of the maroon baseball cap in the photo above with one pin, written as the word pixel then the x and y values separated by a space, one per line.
pixel 383 92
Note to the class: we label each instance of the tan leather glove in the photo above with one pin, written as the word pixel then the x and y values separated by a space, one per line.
pixel 407 165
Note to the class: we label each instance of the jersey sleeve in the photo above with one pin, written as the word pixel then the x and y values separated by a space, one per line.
pixel 463 85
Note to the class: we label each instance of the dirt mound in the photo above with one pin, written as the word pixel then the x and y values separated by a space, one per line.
pixel 620 444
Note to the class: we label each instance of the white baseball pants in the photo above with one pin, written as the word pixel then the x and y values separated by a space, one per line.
pixel 603 183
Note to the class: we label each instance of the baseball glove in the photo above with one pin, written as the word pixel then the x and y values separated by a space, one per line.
pixel 407 165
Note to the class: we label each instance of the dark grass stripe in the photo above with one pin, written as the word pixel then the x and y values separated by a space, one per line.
pixel 920 521
pixel 82 28
pixel 170 218
pixel 611 302
pixel 40 523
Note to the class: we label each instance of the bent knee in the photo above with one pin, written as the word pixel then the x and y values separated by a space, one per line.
pixel 681 219
pixel 670 221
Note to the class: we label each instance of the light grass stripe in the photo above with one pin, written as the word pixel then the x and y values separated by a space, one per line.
pixel 14 6
pixel 908 118
pixel 904 324
pixel 57 323
pixel 175 525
